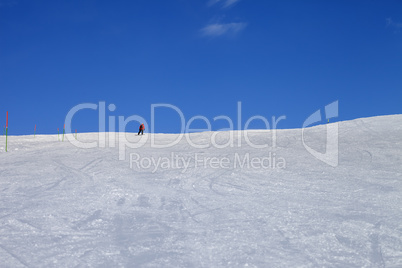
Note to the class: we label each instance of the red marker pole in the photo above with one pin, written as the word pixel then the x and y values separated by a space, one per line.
pixel 75 134
pixel 6 130
pixel 35 131
pixel 64 127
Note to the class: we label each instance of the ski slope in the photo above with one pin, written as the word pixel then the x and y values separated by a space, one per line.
pixel 62 206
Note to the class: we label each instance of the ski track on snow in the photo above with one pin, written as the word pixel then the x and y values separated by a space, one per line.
pixel 61 206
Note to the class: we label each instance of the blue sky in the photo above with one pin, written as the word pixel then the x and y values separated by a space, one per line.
pixel 276 57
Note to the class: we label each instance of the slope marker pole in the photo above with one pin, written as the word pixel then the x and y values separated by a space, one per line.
pixel 35 131
pixel 64 127
pixel 6 130
pixel 58 134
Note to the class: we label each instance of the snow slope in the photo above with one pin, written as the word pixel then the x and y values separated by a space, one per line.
pixel 62 206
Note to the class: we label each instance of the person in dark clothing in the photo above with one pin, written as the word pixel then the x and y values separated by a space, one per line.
pixel 142 127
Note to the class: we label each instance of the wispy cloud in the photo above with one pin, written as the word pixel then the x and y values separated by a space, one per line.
pixel 396 25
pixel 219 29
pixel 224 3
pixel 8 3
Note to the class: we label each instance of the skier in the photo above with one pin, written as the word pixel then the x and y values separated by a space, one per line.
pixel 142 127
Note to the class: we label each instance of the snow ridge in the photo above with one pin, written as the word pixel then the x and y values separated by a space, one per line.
pixel 62 206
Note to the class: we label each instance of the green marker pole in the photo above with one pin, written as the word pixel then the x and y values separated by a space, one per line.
pixel 6 131
pixel 64 131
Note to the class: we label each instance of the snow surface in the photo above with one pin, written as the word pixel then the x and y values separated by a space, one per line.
pixel 62 206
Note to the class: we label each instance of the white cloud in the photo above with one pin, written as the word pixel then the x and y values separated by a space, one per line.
pixel 391 23
pixel 225 3
pixel 8 3
pixel 218 29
